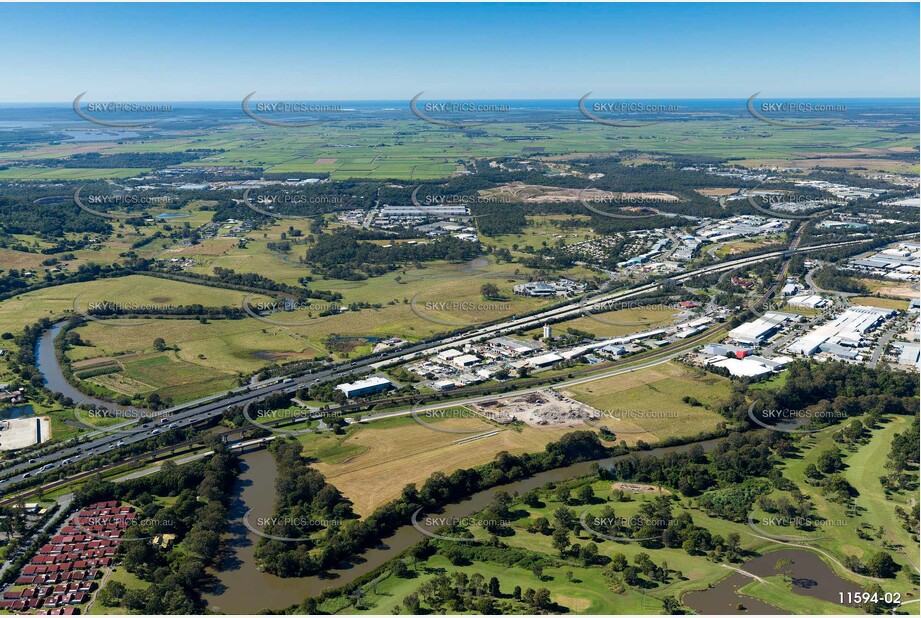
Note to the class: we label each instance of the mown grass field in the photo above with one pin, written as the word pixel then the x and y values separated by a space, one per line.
pixel 865 466
pixel 576 588
pixel 652 401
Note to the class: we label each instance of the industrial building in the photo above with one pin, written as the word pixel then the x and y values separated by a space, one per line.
pixel 755 333
pixel 374 384
pixel 808 301
pixel 841 336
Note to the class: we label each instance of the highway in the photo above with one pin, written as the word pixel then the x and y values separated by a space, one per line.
pixel 193 413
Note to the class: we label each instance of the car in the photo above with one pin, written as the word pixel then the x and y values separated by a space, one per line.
pixel 164 420
pixel 26 475
pixel 31 461
pixel 173 426
pixel 65 462
pixel 154 432
pixel 120 443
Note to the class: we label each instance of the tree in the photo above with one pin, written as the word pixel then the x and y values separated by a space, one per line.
pixel 489 291
pixel 586 494
pixel 670 605
pixel 618 562
pixel 784 566
pixel 400 569
pixel 881 564
pixel 542 599
pixel 411 603
pixel 111 595
pixel 561 540
pixel 159 344
pixel 494 590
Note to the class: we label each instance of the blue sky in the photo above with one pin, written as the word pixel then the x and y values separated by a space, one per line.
pixel 195 52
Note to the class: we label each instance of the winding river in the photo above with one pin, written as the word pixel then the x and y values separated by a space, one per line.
pixel 242 589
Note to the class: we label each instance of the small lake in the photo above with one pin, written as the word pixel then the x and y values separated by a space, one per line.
pixel 18 411
pixel 811 578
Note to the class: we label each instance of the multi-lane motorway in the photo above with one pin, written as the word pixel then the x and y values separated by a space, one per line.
pixel 206 409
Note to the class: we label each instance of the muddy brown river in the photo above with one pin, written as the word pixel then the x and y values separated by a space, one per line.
pixel 243 589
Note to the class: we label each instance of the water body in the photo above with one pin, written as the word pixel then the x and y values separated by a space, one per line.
pixel 243 589
pixel 100 136
pixel 18 411
pixel 172 215
pixel 811 578
pixel 53 376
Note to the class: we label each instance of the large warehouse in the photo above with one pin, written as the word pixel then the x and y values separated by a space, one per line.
pixel 754 333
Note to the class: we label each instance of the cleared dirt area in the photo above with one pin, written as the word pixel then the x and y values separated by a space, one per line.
pixel 891 288
pixel 544 409
pixel 717 191
pixel 409 453
pixel 538 194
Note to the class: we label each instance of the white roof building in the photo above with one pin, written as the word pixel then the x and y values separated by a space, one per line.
pixel 753 333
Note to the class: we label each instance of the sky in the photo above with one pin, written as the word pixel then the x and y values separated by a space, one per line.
pixel 351 51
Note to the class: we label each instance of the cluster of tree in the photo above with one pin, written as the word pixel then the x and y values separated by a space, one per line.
pixel 199 514
pixel 96 160
pixel 832 392
pixel 461 593
pixel 734 459
pixel 105 309
pixel 832 278
pixel 344 255
pixel 904 453
pixel 304 504
pixel 20 216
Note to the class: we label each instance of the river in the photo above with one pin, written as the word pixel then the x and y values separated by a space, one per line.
pixel 243 589
pixel 53 376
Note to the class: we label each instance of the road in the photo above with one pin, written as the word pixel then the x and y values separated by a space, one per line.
pixel 207 409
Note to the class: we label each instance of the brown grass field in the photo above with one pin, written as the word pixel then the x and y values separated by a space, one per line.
pixel 389 458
